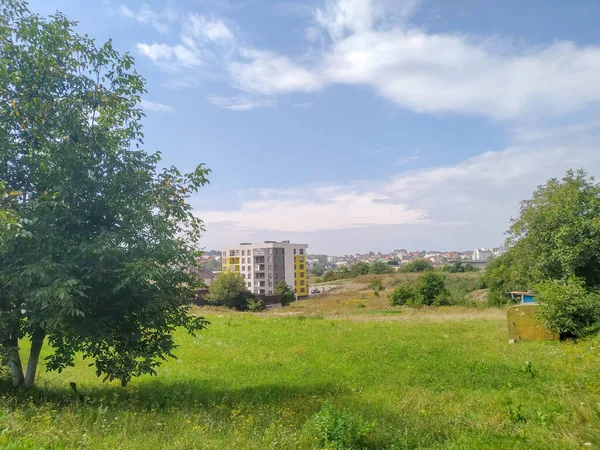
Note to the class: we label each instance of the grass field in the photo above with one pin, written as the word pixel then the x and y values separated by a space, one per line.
pixel 325 372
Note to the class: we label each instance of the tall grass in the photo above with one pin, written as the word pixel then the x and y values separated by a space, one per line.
pixel 266 381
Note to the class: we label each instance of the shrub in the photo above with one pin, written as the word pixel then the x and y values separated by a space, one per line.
pixel 418 265
pixel 339 429
pixel 402 295
pixel 458 267
pixel 255 305
pixel 379 268
pixel 360 268
pixel 500 278
pixel 286 293
pixel 376 285
pixel 568 308
pixel 431 290
pixel 229 289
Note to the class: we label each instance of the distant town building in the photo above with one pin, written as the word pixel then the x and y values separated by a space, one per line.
pixel 264 265
pixel 481 254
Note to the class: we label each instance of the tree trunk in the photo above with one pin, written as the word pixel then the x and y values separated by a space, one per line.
pixel 37 340
pixel 14 362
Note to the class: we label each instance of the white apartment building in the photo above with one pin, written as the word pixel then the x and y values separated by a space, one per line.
pixel 264 265
pixel 481 254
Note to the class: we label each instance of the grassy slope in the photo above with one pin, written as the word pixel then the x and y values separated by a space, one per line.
pixel 442 378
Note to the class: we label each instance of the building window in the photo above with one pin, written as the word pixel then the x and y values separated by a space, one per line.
pixel 249 284
pixel 301 289
pixel 243 268
pixel 294 266
pixel 243 252
pixel 270 292
pixel 269 267
pixel 270 251
pixel 301 274
pixel 270 284
pixel 276 276
pixel 302 251
pixel 275 259
pixel 268 259
pixel 301 282
pixel 301 266
pixel 276 267
pixel 294 251
pixel 270 275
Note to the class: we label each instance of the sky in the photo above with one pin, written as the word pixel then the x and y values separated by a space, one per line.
pixel 362 125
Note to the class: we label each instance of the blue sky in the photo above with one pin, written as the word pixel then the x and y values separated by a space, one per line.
pixel 357 125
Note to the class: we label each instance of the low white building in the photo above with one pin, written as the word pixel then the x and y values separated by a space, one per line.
pixel 481 254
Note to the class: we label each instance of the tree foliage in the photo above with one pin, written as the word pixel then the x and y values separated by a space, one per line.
pixel 286 293
pixel 557 233
pixel 229 289
pixel 318 269
pixel 418 265
pixel 95 238
pixel 555 237
pixel 380 268
pixel 430 289
pixel 360 268
pixel 458 267
pixel 568 308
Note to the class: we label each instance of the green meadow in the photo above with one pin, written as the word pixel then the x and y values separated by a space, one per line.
pixel 442 378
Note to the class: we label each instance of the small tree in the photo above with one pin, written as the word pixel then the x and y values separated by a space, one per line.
pixel 431 290
pixel 318 269
pixel 229 289
pixel 96 240
pixel 379 268
pixel 360 268
pixel 458 267
pixel 402 295
pixel 418 265
pixel 286 293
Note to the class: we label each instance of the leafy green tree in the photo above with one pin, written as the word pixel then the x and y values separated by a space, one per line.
pixel 95 239
pixel 360 268
pixel 458 267
pixel 568 308
pixel 402 295
pixel 501 277
pixel 379 267
pixel 418 265
pixel 431 290
pixel 229 289
pixel 318 269
pixel 557 233
pixel 286 293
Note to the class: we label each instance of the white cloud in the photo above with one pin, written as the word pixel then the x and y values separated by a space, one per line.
pixel 202 41
pixel 170 57
pixel 156 107
pixel 304 105
pixel 200 28
pixel 269 73
pixel 241 103
pixel 405 159
pixel 372 45
pixel 126 12
pixel 146 16
pixel 319 209
pixel 464 205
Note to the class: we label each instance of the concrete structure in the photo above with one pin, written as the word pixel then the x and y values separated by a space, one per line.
pixel 523 324
pixel 264 265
